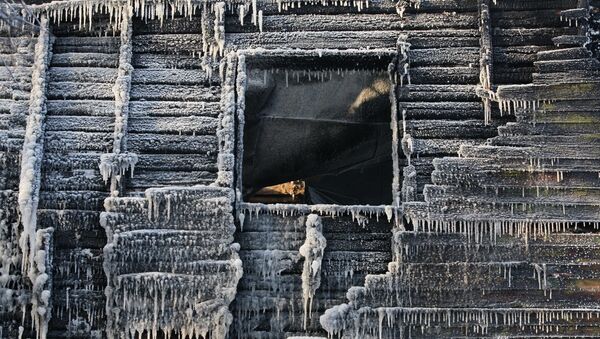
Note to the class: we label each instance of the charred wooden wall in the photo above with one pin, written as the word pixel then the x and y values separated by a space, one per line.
pixel 440 106
pixel 173 125
pixel 16 53
pixel 79 128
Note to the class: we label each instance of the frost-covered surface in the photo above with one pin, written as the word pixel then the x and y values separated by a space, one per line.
pixel 226 132
pixel 461 248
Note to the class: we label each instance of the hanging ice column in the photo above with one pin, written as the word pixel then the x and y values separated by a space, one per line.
pixel 36 244
pixel 484 89
pixel 114 165
pixel 213 35
pixel 402 72
pixel 312 250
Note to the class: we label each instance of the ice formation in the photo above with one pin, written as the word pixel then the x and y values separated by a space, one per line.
pixel 486 60
pixel 40 275
pixel 359 213
pixel 85 10
pixel 114 165
pixel 312 250
pixel 213 35
pixel 36 244
pixel 407 191
pixel 171 263
pixel 29 183
pixel 291 4
pixel 190 276
pixel 226 133
pixel 393 73
pixel 375 321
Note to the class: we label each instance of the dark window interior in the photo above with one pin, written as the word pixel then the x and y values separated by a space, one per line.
pixel 317 131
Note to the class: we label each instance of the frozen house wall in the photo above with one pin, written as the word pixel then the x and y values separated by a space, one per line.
pixel 499 241
pixel 441 109
pixel 82 72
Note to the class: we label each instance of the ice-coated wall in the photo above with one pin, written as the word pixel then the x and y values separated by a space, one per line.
pixel 495 237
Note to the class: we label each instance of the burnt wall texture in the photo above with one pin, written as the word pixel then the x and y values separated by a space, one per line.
pixel 131 157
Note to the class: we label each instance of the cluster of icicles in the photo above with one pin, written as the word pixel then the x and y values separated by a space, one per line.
pixel 322 75
pixel 374 323
pixel 85 10
pixel 184 285
pixel 287 4
pixel 402 272
pixel 117 164
pixel 359 213
pixel 479 231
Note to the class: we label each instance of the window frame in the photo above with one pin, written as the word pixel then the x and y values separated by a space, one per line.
pixel 243 207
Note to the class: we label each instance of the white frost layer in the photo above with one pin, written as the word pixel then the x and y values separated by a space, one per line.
pixel 123 85
pixel 312 250
pixel 226 129
pixel 114 165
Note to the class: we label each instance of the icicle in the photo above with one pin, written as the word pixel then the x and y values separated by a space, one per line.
pixel 312 250
pixel 114 165
pixel 260 20
pixel 32 153
pixel 242 14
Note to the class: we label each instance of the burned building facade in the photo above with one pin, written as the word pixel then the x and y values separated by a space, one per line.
pixel 293 169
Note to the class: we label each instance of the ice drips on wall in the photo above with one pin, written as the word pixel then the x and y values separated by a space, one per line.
pixel 170 262
pixel 359 213
pixel 312 250
pixel 114 165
